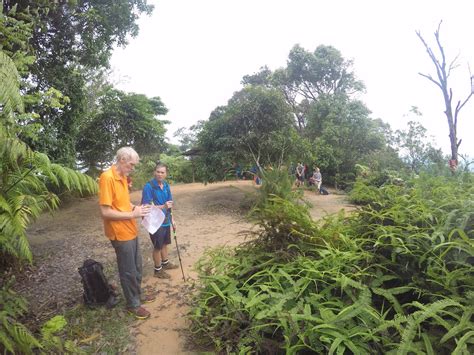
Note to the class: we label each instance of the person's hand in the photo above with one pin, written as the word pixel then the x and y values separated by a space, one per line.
pixel 173 224
pixel 168 204
pixel 141 210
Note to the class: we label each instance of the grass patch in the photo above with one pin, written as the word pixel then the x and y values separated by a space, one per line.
pixel 100 330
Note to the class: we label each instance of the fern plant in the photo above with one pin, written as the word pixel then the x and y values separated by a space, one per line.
pixel 25 175
pixel 395 277
pixel 26 178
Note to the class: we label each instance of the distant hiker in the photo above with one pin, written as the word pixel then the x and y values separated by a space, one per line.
pixel 299 174
pixel 254 172
pixel 318 178
pixel 120 227
pixel 157 191
pixel 238 171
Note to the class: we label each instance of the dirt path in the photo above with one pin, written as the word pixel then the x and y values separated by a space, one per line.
pixel 207 216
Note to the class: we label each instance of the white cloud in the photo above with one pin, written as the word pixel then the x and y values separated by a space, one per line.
pixel 193 54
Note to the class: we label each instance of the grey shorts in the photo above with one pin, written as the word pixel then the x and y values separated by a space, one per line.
pixel 161 237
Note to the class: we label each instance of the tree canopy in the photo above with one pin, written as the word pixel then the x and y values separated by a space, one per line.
pixel 318 119
pixel 123 120
pixel 255 128
pixel 72 42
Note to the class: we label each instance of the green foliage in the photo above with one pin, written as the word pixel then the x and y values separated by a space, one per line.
pixel 62 46
pixel 99 330
pixel 418 153
pixel 25 183
pixel 16 29
pixel 307 77
pixel 344 135
pixel 277 182
pixel 179 169
pixel 124 120
pixel 319 87
pixel 10 99
pixel 366 187
pixel 16 338
pixel 26 176
pixel 255 128
pixel 394 277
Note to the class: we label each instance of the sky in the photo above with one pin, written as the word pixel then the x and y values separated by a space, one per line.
pixel 193 54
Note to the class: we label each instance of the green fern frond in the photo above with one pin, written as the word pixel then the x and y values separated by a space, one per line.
pixel 464 323
pixel 61 174
pixel 23 247
pixel 389 295
pixel 6 341
pixel 427 342
pixel 14 152
pixel 418 317
pixel 4 206
pixel 461 347
pixel 74 180
pixel 10 98
pixel 24 340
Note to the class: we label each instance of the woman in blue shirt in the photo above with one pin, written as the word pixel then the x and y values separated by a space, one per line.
pixel 157 192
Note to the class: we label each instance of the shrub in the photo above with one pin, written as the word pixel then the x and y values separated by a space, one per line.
pixel 396 276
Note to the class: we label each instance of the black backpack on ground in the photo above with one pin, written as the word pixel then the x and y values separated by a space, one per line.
pixel 97 290
pixel 323 191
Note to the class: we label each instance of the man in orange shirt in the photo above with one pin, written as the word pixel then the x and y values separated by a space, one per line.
pixel 121 228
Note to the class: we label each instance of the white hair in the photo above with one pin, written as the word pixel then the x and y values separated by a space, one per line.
pixel 126 152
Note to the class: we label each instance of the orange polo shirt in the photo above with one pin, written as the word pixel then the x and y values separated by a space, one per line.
pixel 113 192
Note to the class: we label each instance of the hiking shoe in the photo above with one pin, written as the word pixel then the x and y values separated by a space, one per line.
pixel 147 298
pixel 139 312
pixel 162 274
pixel 169 265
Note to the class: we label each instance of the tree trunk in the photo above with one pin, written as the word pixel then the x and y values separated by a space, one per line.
pixel 443 71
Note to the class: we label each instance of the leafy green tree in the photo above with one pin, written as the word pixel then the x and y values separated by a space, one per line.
pixel 416 150
pixel 307 76
pixel 343 135
pixel 71 41
pixel 319 86
pixel 26 176
pixel 124 120
pixel 188 137
pixel 256 127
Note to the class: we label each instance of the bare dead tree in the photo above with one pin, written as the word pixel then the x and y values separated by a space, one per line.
pixel 443 71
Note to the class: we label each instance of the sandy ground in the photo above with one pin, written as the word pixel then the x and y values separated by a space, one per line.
pixel 206 215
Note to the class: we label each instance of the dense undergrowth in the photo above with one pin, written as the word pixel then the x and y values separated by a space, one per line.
pixel 395 277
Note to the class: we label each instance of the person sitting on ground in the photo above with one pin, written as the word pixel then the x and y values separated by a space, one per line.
pixel 121 228
pixel 157 191
pixel 318 179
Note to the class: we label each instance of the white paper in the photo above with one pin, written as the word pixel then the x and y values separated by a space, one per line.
pixel 154 220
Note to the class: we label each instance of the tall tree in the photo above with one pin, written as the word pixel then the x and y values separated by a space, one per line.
pixel 342 134
pixel 417 151
pixel 307 76
pixel 443 71
pixel 71 40
pixel 255 128
pixel 124 119
pixel 188 137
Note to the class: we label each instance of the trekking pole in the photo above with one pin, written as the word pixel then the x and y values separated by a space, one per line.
pixel 177 249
